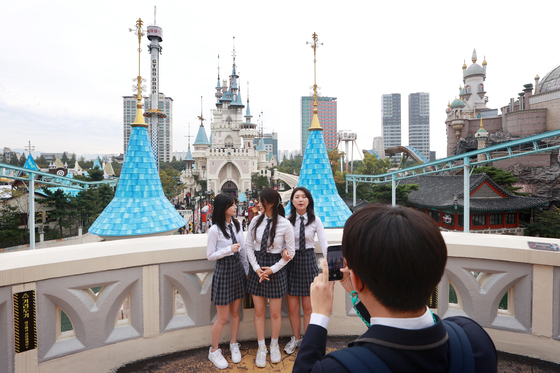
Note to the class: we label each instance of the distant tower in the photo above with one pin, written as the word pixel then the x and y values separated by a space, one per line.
pixel 155 35
pixel 481 135
pixel 248 130
pixel 391 120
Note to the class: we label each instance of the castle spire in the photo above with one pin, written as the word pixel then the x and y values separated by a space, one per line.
pixel 139 119
pixel 315 125
pixel 474 56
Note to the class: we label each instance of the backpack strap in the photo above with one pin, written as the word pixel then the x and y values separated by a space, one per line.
pixel 461 358
pixel 359 359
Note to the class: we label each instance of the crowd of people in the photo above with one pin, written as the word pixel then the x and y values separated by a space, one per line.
pixel 393 259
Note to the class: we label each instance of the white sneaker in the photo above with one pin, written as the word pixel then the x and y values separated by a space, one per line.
pixel 292 345
pixel 235 353
pixel 260 361
pixel 275 356
pixel 217 358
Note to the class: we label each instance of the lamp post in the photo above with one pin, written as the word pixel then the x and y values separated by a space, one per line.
pixel 41 234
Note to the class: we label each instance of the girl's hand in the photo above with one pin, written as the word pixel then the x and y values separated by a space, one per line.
pixel 235 247
pixel 286 255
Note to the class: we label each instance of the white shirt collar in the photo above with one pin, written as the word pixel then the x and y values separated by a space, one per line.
pixel 412 323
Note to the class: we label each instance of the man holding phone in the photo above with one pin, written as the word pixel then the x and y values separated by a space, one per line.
pixel 393 259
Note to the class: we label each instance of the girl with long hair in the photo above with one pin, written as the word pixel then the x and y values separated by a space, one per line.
pixel 227 247
pixel 303 268
pixel 267 235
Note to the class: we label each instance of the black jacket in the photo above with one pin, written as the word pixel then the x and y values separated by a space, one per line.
pixel 310 357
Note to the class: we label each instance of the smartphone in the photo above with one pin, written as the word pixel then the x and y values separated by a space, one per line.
pixel 335 262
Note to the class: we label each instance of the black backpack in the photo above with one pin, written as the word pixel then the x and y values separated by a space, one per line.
pixel 358 359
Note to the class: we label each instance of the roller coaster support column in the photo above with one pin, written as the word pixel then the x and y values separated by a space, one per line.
pixel 466 196
pixel 394 190
pixel 31 223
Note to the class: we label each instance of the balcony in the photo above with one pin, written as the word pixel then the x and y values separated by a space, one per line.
pixel 133 299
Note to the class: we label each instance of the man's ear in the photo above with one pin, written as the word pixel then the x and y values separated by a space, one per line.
pixel 356 282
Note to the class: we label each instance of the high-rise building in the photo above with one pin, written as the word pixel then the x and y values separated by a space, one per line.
pixel 419 122
pixel 165 138
pixel 391 119
pixel 327 112
pixel 270 144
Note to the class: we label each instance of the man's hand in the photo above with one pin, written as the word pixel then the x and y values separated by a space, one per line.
pixel 235 247
pixel 322 292
pixel 345 282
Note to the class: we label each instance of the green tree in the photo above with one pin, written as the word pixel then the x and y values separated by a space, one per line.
pixel 170 182
pixel 72 161
pixel 10 234
pixel 384 193
pixel 95 174
pixel 373 166
pixel 14 161
pixel 505 179
pixel 22 159
pixel 91 202
pixel 545 224
pixel 291 166
pixel 63 207
pixel 41 162
pixel 259 181
pixel 64 158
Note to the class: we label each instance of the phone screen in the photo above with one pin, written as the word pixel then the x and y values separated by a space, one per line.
pixel 335 261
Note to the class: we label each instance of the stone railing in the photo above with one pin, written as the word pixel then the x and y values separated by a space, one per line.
pixel 101 305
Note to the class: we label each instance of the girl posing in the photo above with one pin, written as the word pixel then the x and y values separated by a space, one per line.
pixel 303 267
pixel 226 246
pixel 267 235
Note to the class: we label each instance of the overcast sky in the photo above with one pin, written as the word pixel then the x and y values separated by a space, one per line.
pixel 65 65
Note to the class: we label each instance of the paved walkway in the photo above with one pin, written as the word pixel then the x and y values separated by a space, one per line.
pixel 197 361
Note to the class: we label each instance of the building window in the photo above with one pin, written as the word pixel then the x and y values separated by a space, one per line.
pixel 496 219
pixel 481 87
pixel 479 220
pixel 436 215
pixel 510 219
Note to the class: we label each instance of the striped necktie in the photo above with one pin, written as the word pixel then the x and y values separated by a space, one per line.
pixel 302 233
pixel 232 235
pixel 264 239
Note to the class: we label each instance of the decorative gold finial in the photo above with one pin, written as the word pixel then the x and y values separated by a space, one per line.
pixel 315 125
pixel 464 64
pixel 200 116
pixel 448 104
pixel 139 119
pixel 481 122
pixel 484 62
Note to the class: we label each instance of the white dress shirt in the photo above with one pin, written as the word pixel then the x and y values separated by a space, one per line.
pixel 219 246
pixel 411 323
pixel 315 227
pixel 284 238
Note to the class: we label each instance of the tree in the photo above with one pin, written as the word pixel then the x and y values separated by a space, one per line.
pixel 91 202
pixel 14 161
pixel 170 183
pixel 22 160
pixel 384 193
pixel 41 162
pixel 96 174
pixel 10 234
pixel 62 207
pixel 291 166
pixel 259 181
pixel 64 158
pixel 373 166
pixel 545 224
pixel 505 179
pixel 72 161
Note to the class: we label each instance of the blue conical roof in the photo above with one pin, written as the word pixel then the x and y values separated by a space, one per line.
pixel 30 163
pixel 97 164
pixel 248 113
pixel 140 206
pixel 260 146
pixel 189 156
pixel 237 101
pixel 201 138
pixel 316 175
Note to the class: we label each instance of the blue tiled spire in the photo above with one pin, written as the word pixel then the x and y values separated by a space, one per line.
pixel 316 175
pixel 97 164
pixel 140 206
pixel 30 163
pixel 189 155
pixel 201 138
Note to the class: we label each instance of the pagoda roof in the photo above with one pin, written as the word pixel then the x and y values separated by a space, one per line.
pixel 437 191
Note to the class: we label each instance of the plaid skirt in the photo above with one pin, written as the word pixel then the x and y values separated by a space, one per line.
pixel 228 283
pixel 302 270
pixel 277 287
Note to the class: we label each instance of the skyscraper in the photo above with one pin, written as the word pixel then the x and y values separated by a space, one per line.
pixel 391 118
pixel 419 122
pixel 270 141
pixel 327 112
pixel 165 146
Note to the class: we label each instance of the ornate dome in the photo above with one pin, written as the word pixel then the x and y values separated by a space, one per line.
pixel 474 69
pixel 551 81
pixel 457 103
